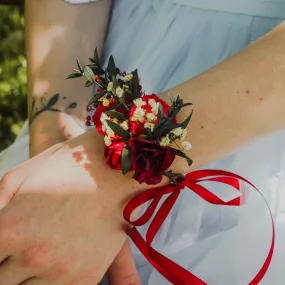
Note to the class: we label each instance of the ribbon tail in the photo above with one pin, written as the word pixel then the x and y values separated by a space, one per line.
pixel 169 269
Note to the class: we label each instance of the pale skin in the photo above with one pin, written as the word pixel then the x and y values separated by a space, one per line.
pixel 247 100
pixel 79 29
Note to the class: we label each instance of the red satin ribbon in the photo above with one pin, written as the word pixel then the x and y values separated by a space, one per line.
pixel 169 269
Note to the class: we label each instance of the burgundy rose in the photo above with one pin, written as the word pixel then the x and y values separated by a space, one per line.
pixel 149 160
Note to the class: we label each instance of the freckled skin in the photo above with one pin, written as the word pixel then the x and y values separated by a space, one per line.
pixel 247 91
pixel 260 99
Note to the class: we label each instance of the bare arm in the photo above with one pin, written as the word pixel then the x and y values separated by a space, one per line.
pixel 236 101
pixel 57 33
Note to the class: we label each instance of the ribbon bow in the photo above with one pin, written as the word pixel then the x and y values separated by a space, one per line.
pixel 170 270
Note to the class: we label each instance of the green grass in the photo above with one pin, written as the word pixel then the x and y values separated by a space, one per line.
pixel 13 78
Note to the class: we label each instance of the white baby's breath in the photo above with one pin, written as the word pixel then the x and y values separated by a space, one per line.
pixel 165 141
pixel 107 140
pixel 119 92
pixel 185 145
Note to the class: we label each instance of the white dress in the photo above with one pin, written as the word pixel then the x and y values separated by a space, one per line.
pixel 170 41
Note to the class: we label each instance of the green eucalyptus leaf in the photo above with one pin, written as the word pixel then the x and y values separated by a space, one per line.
pixel 171 98
pixel 79 66
pixel 136 94
pixel 135 79
pixel 111 69
pixel 74 75
pixel 116 115
pixel 99 95
pixel 96 57
pixel 96 69
pixel 182 154
pixel 118 130
pixel 88 83
pixel 88 73
pixel 185 123
pixel 115 82
pixel 126 161
pixel 114 107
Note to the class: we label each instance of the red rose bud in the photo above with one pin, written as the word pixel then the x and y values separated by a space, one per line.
pixel 97 79
pixel 100 89
pixel 88 118
pixel 149 160
pixel 88 108
pixel 87 123
pixel 113 155
pixel 118 71
pixel 140 87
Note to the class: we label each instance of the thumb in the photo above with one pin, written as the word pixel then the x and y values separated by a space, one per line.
pixel 123 270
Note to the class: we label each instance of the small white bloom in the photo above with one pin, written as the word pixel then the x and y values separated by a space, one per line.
pixel 149 126
pixel 152 102
pixel 125 87
pixel 151 116
pixel 154 108
pixel 184 134
pixel 119 92
pixel 110 132
pixel 106 102
pixel 165 141
pixel 139 102
pixel 185 145
pixel 107 141
pixel 125 125
pixel 139 115
pixel 128 77
pixel 103 118
pixel 177 132
pixel 110 86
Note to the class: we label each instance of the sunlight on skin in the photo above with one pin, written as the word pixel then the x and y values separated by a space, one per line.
pixel 43 43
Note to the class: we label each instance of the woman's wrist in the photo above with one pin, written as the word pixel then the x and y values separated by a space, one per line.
pixel 52 128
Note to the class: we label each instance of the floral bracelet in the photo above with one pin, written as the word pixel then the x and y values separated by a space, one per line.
pixel 139 130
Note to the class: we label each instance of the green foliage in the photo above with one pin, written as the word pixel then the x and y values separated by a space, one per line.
pixel 13 78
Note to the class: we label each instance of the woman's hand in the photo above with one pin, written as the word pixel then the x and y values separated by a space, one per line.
pixel 64 223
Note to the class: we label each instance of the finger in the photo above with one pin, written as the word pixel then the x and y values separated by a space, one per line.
pixel 123 270
pixel 9 186
pixel 11 272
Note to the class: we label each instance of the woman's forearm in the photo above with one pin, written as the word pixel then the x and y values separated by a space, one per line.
pixel 57 33
pixel 236 101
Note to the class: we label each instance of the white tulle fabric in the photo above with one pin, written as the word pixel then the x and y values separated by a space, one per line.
pixel 169 42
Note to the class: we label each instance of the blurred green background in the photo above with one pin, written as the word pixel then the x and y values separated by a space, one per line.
pixel 13 78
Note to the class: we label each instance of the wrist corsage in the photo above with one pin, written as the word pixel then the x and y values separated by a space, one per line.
pixel 141 132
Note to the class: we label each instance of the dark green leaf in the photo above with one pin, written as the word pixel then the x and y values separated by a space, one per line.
pixel 115 82
pixel 171 98
pixel 96 69
pixel 186 104
pixel 135 79
pixel 118 130
pixel 98 96
pixel 114 107
pixel 111 69
pixel 74 75
pixel 126 159
pixel 91 59
pixel 88 83
pixel 88 73
pixel 96 57
pixel 182 154
pixel 76 70
pixel 72 105
pixel 116 115
pixel 52 100
pixel 185 123
pixel 79 66
pixel 136 94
